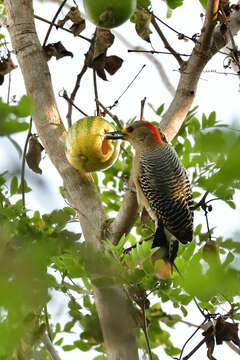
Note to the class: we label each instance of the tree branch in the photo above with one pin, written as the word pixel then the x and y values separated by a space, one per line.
pixel 49 346
pixel 166 43
pixel 233 347
pixel 126 216
pixel 190 75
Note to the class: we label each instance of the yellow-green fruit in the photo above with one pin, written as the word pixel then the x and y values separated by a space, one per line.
pixel 109 13
pixel 86 147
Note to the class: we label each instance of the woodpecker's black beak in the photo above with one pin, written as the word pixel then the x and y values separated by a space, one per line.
pixel 115 135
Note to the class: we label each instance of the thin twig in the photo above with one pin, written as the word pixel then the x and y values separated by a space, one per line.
pixel 155 52
pixel 203 204
pixel 126 152
pixel 219 72
pixel 195 349
pixel 60 27
pixel 169 27
pixel 95 91
pixel 233 347
pixel 207 222
pixel 234 51
pixel 75 288
pixel 156 63
pixel 47 322
pixel 193 334
pixel 166 43
pixel 201 311
pixel 135 77
pixel 114 117
pixel 65 96
pixel 202 201
pixel 9 87
pixel 49 346
pixel 52 23
pixel 176 320
pixel 145 330
pixel 23 165
pixel 74 92
pixel 142 109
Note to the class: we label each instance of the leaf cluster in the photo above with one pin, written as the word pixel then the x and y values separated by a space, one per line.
pixel 12 116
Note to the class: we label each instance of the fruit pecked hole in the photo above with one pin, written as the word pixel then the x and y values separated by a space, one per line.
pixel 106 146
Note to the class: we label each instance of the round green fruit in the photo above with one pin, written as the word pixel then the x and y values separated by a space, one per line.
pixel 109 13
pixel 86 147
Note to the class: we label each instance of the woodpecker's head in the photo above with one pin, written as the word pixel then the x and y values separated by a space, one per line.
pixel 140 134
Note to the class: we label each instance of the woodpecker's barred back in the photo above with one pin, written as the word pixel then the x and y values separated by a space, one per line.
pixel 164 182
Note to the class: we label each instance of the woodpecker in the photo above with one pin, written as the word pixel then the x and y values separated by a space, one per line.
pixel 162 186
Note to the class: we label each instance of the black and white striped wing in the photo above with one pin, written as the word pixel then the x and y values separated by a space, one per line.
pixel 165 184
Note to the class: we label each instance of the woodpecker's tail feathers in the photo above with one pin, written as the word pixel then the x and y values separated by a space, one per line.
pixel 173 250
pixel 160 238
pixel 168 248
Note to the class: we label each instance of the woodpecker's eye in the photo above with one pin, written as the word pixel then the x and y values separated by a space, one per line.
pixel 130 129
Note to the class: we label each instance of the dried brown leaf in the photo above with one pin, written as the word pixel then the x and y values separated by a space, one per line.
pixel 33 156
pixel 143 21
pixel 79 22
pixel 103 40
pixel 6 65
pixel 57 50
pixel 210 342
pixel 226 331
pixel 76 29
pixel 112 64
pixel 75 15
pixel 98 65
pixel 96 56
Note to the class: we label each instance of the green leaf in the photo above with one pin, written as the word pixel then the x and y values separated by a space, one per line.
pixel 9 127
pixel 184 310
pixel 68 326
pixel 173 4
pixel 24 107
pixel 143 3
pixel 82 345
pixel 212 119
pixel 160 110
pixel 58 328
pixel 172 351
pixel 14 185
pixel 189 250
pixel 59 342
pixel 68 347
pixel 204 3
pixel 10 115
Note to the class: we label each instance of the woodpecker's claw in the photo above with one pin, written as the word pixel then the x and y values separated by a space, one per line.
pixel 115 135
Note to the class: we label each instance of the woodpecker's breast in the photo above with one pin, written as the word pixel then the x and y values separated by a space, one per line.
pixel 165 186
